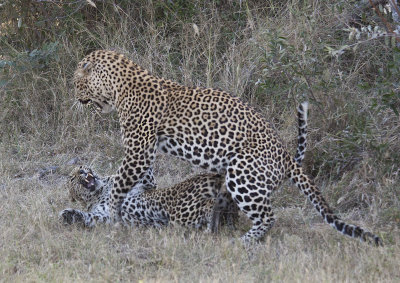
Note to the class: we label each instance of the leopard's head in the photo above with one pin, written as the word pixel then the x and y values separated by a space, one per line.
pixel 84 185
pixel 91 87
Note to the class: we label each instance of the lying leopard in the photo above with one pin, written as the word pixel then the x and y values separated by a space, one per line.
pixel 196 202
pixel 207 127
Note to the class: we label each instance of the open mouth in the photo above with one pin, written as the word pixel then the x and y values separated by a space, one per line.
pixel 89 182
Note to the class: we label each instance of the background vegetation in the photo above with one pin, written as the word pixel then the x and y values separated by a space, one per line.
pixel 273 54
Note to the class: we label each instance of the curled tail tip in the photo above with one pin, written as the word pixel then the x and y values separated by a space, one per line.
pixel 372 239
pixel 353 231
pixel 303 107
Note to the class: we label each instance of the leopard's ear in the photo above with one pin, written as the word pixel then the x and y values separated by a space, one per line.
pixel 85 70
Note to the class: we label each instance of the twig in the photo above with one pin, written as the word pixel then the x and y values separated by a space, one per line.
pixel 385 22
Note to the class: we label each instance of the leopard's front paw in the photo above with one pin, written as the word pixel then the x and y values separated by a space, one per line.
pixel 69 216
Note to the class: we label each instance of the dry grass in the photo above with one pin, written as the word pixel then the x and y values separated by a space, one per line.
pixel 36 247
pixel 353 148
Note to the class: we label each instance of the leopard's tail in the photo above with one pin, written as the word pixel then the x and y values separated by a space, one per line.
pixel 307 186
pixel 302 136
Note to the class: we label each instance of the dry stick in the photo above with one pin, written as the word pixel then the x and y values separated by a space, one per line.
pixel 396 17
pixel 385 22
pixel 394 5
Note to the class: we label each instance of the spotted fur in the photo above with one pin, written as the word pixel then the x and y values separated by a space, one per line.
pixel 196 202
pixel 207 127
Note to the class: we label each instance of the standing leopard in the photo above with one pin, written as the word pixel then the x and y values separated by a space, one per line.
pixel 191 203
pixel 207 127
pixel 148 206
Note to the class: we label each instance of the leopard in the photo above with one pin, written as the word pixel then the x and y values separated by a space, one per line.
pixel 207 127
pixel 197 202
pixel 93 192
